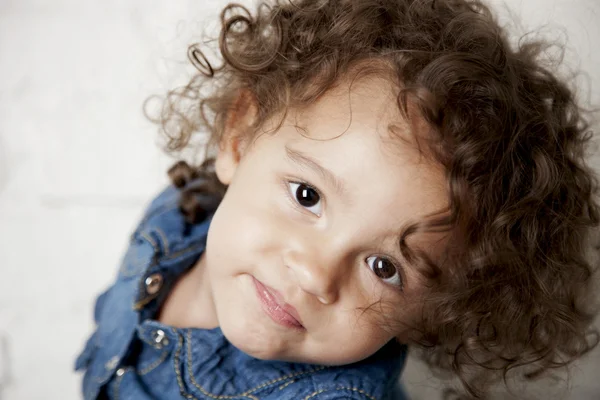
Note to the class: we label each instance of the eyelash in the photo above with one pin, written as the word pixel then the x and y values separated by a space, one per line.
pixel 400 276
pixel 291 196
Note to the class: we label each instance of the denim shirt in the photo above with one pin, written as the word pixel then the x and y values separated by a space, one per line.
pixel 132 356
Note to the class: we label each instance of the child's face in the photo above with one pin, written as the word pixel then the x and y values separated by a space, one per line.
pixel 328 255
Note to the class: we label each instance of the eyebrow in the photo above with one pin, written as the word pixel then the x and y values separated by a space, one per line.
pixel 305 161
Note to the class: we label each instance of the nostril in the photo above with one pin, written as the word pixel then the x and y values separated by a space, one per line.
pixel 314 281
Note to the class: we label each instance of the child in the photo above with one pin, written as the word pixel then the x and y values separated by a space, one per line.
pixel 381 173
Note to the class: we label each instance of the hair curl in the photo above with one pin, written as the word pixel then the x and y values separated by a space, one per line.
pixel 514 287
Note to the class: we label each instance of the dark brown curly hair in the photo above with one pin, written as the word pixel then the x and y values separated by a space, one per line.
pixel 513 291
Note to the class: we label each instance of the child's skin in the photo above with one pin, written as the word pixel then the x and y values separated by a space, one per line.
pixel 318 258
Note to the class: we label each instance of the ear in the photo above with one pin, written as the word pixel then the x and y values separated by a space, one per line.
pixel 236 137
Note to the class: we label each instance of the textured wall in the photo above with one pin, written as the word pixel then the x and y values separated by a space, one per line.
pixel 78 161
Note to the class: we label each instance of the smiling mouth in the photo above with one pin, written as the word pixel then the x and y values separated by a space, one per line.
pixel 272 304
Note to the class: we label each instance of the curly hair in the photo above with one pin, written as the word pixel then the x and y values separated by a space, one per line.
pixel 514 290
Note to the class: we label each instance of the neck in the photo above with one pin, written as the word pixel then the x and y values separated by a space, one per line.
pixel 190 303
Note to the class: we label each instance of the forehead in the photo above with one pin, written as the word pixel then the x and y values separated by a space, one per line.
pixel 357 132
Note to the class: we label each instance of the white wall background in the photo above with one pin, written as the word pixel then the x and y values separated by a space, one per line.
pixel 78 162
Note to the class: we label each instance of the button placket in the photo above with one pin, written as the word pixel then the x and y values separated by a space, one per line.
pixel 150 289
pixel 160 339
pixel 153 284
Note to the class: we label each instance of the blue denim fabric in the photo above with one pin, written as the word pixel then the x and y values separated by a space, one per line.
pixel 132 356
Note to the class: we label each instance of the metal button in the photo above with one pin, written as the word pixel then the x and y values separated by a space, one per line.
pixel 160 338
pixel 153 283
pixel 112 363
pixel 120 371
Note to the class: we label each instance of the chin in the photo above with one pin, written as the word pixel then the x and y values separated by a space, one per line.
pixel 254 341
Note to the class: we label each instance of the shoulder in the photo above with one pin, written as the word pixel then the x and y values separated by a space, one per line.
pixel 165 229
pixel 337 392
pixel 340 393
pixel 369 380
pixel 300 391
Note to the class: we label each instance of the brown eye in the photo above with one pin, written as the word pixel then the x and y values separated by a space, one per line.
pixel 385 270
pixel 306 197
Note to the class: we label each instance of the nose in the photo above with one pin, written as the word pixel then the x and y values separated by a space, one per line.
pixel 316 270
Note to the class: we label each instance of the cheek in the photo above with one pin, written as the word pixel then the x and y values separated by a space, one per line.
pixel 247 221
pixel 360 342
pixel 376 320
